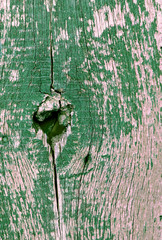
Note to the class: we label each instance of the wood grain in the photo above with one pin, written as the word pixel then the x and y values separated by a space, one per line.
pixel 105 55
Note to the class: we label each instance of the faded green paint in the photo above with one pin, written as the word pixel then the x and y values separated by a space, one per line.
pixel 111 77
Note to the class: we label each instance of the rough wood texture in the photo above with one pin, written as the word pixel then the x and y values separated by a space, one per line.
pixel 105 55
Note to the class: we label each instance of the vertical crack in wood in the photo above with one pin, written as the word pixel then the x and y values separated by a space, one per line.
pixel 56 186
pixel 51 89
pixel 53 120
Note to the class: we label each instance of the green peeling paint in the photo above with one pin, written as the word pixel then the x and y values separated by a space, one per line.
pixel 106 58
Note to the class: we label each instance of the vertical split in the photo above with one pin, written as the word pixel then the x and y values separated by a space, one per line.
pixel 51 89
pixel 53 119
pixel 56 186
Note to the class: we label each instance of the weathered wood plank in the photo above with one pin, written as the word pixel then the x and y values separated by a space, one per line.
pixel 106 58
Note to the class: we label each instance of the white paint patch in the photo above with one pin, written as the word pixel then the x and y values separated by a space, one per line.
pixel 5 5
pixel 50 4
pixel 16 140
pixel 36 24
pixel 104 18
pixel 15 22
pixel 14 136
pixel 111 66
pixel 158 34
pixel 63 34
pixel 100 22
pixel 59 141
pixel 119 33
pixel 66 67
pixel 41 136
pixel 2 92
pixel 90 22
pixel 151 10
pixel 4 116
pixel 6 19
pixel 21 110
pixel 77 36
pixel 14 75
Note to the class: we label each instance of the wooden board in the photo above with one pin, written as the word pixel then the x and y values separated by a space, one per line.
pixel 104 182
